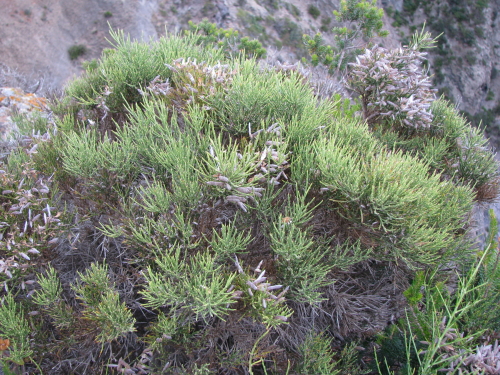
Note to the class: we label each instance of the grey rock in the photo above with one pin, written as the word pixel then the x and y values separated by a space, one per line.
pixel 395 4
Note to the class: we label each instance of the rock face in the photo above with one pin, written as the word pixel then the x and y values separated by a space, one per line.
pixel 395 4
pixel 471 74
pixel 16 101
pixel 473 82
pixel 36 35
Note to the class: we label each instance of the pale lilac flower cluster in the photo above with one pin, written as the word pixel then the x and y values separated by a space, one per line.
pixel 191 82
pixel 393 87
pixel 485 360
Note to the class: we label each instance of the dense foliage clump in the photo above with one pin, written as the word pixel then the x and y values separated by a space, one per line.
pixel 76 51
pixel 210 214
pixel 362 19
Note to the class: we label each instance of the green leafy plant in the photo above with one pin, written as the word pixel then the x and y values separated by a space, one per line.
pixel 313 11
pixel 227 40
pixel 15 328
pixel 229 242
pixel 364 20
pixel 300 259
pixel 113 318
pixel 76 51
pixel 205 294
pixel 488 292
pixel 317 356
pixel 118 81
pixel 101 303
pixel 446 322
pixel 49 298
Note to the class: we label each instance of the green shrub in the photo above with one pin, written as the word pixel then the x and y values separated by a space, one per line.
pixel 15 328
pixel 224 216
pixel 438 77
pixel 325 22
pixel 272 4
pixel 313 11
pixel 290 33
pixel 208 8
pixel 293 10
pixel 494 73
pixel 108 14
pixel 317 356
pixel 467 35
pixel 348 41
pixel 227 40
pixel 253 25
pixel 470 57
pixel 399 19
pixel 479 31
pixel 76 51
pixel 443 330
pixel 257 98
pixel 101 302
pixel 410 6
pixel 118 80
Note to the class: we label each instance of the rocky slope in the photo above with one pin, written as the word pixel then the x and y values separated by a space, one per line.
pixel 35 36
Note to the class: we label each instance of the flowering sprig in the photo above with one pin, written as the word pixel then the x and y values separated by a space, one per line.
pixel 28 223
pixel 393 88
pixel 271 307
pixel 191 82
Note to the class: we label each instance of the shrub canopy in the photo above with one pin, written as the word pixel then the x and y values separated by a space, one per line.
pixel 243 205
